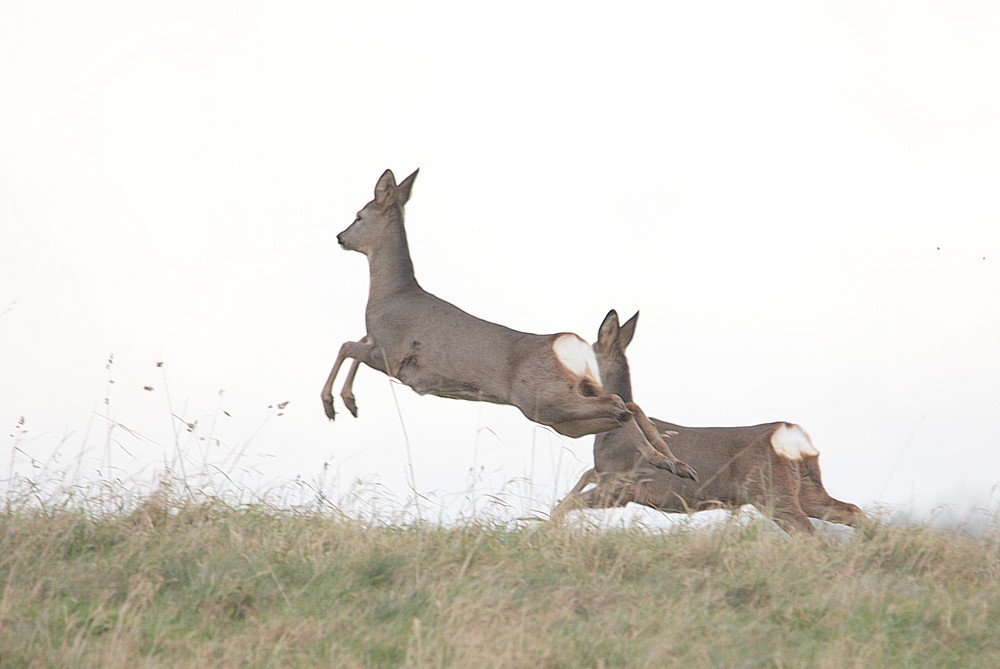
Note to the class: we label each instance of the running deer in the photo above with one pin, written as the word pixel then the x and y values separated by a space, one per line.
pixel 436 348
pixel 773 466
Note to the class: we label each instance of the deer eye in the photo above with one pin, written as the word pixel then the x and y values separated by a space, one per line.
pixel 357 218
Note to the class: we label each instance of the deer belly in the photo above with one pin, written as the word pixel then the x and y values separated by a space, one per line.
pixel 456 390
pixel 425 381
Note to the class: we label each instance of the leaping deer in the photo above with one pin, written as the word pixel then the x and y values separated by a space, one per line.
pixel 773 466
pixel 436 348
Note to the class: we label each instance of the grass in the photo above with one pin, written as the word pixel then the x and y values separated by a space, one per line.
pixel 176 582
pixel 105 574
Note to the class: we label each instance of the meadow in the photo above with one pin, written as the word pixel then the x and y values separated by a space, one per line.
pixel 175 579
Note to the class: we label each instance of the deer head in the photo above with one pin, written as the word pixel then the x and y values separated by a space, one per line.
pixel 609 348
pixel 380 219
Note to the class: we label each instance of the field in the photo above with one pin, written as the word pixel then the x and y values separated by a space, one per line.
pixel 173 581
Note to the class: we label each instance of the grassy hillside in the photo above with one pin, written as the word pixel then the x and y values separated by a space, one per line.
pixel 183 584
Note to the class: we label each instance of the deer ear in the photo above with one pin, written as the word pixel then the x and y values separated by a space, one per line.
pixel 628 331
pixel 608 332
pixel 385 187
pixel 404 188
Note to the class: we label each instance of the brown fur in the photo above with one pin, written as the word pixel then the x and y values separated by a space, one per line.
pixel 737 464
pixel 436 348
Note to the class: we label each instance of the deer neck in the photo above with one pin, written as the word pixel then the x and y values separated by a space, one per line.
pixel 390 267
pixel 617 379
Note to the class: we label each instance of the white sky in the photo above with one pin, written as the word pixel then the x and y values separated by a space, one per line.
pixel 802 199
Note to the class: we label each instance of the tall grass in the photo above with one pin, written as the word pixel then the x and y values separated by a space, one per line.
pixel 205 570
pixel 174 581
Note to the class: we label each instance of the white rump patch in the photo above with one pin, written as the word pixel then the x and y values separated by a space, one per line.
pixel 791 442
pixel 577 356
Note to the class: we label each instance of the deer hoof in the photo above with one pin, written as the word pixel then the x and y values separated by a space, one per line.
pixel 351 405
pixel 686 471
pixel 663 462
pixel 328 408
pixel 618 406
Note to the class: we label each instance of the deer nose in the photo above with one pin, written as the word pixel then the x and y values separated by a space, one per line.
pixel 340 239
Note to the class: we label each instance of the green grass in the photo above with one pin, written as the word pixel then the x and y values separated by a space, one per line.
pixel 175 583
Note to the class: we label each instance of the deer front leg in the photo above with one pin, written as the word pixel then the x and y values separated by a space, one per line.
pixel 588 477
pixel 357 350
pixel 635 436
pixel 347 392
pixel 612 490
pixel 590 415
pixel 571 502
pixel 654 448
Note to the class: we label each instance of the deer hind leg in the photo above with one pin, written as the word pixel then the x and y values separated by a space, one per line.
pixel 818 503
pixel 654 448
pixel 784 509
pixel 578 415
pixel 793 521
pixel 356 350
pixel 775 493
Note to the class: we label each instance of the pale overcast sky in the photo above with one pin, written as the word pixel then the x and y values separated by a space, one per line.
pixel 801 197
